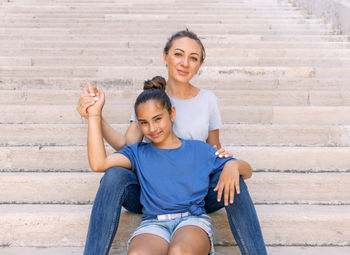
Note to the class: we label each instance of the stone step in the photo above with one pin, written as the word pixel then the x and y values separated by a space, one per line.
pixel 259 51
pixel 254 83
pixel 226 98
pixel 176 18
pixel 158 61
pixel 132 14
pixel 231 134
pixel 151 19
pixel 154 22
pixel 134 46
pixel 265 188
pixel 157 26
pixel 98 14
pixel 163 38
pixel 128 10
pixel 294 115
pixel 146 72
pixel 262 158
pixel 101 32
pixel 66 225
pixel 219 250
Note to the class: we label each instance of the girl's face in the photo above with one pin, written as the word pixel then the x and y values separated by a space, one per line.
pixel 183 59
pixel 155 121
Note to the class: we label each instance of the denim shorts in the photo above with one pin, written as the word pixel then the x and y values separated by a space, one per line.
pixel 166 228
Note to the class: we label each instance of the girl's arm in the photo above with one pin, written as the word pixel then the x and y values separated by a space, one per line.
pixel 229 179
pixel 99 162
pixel 245 170
pixel 113 138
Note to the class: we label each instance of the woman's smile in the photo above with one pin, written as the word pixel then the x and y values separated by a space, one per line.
pixel 182 73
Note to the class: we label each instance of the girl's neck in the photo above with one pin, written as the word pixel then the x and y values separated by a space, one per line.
pixel 171 142
pixel 181 90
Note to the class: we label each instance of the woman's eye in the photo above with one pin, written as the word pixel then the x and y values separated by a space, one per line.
pixel 195 59
pixel 177 54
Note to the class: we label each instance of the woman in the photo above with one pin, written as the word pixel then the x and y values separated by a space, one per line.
pixel 183 56
pixel 173 173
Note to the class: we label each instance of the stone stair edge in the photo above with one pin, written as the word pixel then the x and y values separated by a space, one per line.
pixel 219 250
pixel 265 188
pixel 262 158
pixel 274 219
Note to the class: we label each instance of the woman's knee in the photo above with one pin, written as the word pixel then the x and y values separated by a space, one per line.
pixel 118 175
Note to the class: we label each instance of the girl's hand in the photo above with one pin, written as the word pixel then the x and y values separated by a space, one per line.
pixel 95 108
pixel 86 99
pixel 223 153
pixel 228 182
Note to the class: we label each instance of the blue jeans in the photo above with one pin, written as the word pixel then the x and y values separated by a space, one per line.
pixel 120 187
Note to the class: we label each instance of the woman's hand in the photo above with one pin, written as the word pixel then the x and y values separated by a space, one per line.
pixel 228 182
pixel 223 153
pixel 87 99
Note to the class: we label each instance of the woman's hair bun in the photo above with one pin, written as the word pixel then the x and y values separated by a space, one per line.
pixel 157 82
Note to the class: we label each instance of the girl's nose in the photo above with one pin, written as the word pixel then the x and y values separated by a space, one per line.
pixel 152 127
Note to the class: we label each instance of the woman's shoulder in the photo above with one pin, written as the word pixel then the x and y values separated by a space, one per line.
pixel 207 94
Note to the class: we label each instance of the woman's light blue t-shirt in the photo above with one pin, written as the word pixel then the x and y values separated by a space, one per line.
pixel 195 117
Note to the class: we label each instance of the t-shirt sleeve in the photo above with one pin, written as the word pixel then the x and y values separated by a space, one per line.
pixel 130 152
pixel 214 113
pixel 216 163
pixel 133 115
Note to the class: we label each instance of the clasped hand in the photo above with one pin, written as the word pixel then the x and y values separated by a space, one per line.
pixel 91 101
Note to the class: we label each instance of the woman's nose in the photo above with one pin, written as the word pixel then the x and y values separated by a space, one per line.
pixel 185 61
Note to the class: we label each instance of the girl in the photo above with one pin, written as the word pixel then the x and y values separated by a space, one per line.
pixel 183 55
pixel 173 174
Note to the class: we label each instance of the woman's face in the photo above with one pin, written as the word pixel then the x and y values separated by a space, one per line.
pixel 183 59
pixel 155 121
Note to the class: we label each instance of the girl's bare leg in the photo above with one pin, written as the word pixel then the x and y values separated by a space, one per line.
pixel 189 240
pixel 148 244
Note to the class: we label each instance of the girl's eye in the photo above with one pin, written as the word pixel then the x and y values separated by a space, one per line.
pixel 195 59
pixel 177 54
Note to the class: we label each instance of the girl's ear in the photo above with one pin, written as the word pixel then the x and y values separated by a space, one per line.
pixel 173 114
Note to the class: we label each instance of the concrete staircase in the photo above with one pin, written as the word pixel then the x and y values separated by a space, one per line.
pixel 282 77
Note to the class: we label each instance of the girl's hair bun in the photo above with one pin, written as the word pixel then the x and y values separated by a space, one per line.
pixel 157 82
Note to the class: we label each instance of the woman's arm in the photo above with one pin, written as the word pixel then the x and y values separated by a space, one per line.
pixel 99 162
pixel 112 137
pixel 244 168
pixel 214 138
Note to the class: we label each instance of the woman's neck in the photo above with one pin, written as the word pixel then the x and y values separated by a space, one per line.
pixel 181 90
pixel 171 142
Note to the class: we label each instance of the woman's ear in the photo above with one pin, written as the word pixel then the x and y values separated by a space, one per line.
pixel 173 114
pixel 165 59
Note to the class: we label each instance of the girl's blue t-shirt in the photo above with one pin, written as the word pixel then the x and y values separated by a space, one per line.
pixel 173 180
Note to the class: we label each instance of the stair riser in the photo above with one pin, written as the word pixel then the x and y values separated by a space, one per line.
pixel 264 188
pixel 313 159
